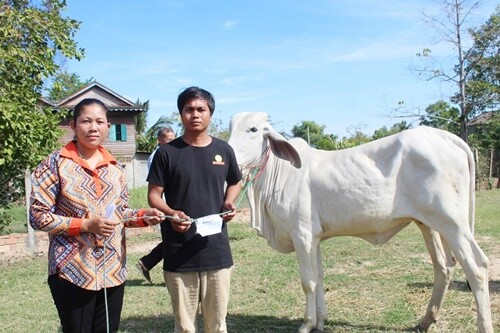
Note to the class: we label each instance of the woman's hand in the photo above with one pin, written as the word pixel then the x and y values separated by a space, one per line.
pixel 180 221
pixel 99 226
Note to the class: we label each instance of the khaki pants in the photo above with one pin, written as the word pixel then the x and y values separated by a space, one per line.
pixel 209 289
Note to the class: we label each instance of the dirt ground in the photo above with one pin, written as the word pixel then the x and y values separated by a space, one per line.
pixel 494 272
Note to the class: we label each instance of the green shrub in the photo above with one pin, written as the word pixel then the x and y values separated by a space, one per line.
pixel 138 197
pixel 5 220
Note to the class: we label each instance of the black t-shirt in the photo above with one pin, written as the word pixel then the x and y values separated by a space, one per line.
pixel 193 179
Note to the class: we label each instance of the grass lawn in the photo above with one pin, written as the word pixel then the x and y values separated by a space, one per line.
pixel 17 214
pixel 368 288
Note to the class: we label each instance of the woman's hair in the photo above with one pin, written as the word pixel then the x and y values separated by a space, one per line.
pixel 195 93
pixel 88 101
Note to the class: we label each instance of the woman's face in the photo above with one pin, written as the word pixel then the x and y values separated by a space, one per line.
pixel 91 126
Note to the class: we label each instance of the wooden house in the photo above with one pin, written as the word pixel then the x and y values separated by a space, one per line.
pixel 121 141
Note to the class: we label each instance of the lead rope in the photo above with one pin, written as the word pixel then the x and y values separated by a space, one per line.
pixel 109 213
pixel 105 292
pixel 252 175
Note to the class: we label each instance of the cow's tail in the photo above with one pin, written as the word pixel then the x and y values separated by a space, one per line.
pixel 472 179
pixel 472 189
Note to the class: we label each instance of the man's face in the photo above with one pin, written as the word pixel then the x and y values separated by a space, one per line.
pixel 196 115
pixel 165 138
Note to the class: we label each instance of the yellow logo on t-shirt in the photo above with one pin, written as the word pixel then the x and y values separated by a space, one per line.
pixel 218 160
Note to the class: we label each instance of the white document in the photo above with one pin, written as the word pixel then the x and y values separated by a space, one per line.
pixel 109 211
pixel 209 225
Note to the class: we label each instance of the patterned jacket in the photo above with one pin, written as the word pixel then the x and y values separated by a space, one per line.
pixel 64 191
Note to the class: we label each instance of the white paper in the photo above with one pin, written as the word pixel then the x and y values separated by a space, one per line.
pixel 109 211
pixel 209 225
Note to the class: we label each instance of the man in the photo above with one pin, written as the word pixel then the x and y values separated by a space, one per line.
pixel 164 136
pixel 192 171
pixel 149 261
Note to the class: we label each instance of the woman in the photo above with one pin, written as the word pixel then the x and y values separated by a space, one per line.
pixel 79 196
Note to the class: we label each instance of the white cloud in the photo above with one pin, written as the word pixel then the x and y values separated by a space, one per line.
pixel 230 24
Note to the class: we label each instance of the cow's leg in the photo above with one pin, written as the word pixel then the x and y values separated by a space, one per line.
pixel 321 310
pixel 443 263
pixel 475 265
pixel 306 247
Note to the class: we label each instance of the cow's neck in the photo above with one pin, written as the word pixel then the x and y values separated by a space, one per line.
pixel 269 176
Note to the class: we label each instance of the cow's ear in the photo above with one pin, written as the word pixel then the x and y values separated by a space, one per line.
pixel 282 148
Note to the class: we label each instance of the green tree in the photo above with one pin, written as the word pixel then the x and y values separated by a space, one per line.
pixel 31 35
pixel 487 134
pixel 142 118
pixel 384 131
pixel 64 84
pixel 310 131
pixel 315 135
pixel 442 115
pixel 328 142
pixel 483 66
pixel 218 130
pixel 451 27
pixel 147 138
pixel 356 139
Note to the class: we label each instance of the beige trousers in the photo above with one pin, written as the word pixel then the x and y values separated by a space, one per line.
pixel 209 290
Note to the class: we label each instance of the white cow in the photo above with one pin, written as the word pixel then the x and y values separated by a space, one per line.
pixel 303 195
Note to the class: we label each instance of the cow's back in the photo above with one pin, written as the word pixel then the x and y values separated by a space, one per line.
pixel 372 188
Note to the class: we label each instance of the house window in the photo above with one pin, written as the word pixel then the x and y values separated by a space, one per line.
pixel 118 132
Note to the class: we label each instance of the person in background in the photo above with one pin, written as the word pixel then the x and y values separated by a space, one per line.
pixel 79 196
pixel 200 178
pixel 164 136
pixel 149 261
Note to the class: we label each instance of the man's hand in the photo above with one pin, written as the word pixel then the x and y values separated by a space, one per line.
pixel 154 216
pixel 180 221
pixel 228 206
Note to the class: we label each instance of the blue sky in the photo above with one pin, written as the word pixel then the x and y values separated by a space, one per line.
pixel 343 64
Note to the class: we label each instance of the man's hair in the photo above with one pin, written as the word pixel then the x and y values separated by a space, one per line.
pixel 195 93
pixel 165 130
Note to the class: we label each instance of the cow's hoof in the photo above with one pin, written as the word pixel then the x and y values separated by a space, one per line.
pixel 305 328
pixel 418 328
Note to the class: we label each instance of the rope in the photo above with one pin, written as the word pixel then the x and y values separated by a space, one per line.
pixel 105 291
pixel 109 213
pixel 246 185
pixel 170 217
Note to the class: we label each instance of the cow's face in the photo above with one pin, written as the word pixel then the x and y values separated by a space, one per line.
pixel 248 138
pixel 251 134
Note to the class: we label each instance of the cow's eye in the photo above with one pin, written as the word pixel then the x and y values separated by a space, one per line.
pixel 253 129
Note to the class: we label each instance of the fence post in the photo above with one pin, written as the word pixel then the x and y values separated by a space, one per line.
pixel 31 232
pixel 476 158
pixel 491 162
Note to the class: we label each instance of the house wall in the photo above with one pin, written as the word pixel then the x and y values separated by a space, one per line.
pixel 119 148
